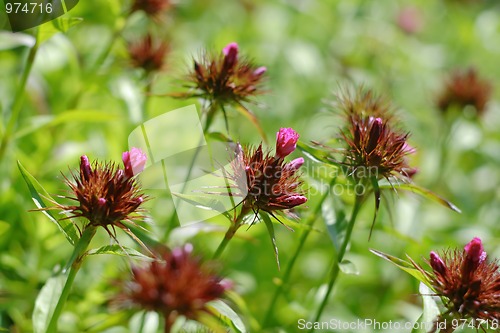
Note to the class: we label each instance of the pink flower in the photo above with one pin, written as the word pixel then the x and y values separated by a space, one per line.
pixel 230 52
pixel 286 142
pixel 260 70
pixel 295 164
pixel 475 251
pixel 437 263
pixel 85 170
pixel 295 200
pixel 134 161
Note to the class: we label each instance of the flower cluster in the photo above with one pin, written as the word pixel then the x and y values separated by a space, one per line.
pixel 465 89
pixel 148 54
pixel 152 8
pixel 372 142
pixel 226 78
pixel 467 281
pixel 267 182
pixel 106 195
pixel 178 284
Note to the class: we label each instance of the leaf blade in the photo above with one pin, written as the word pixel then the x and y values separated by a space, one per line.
pixel 35 188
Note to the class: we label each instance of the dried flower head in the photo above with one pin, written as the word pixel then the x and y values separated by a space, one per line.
pixel 152 8
pixel 105 195
pixel 374 147
pixel 148 54
pixel 467 282
pixel 268 182
pixel 227 78
pixel 465 89
pixel 178 284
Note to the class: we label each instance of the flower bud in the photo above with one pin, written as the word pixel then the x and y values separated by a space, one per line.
pixel 134 161
pixel 286 142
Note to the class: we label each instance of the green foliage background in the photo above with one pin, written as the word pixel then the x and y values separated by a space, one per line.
pixel 75 104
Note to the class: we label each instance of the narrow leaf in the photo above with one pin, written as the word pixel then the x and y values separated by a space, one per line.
pixel 347 267
pixel 46 302
pixel 227 315
pixel 431 309
pixel 118 250
pixel 404 265
pixel 428 194
pixel 64 225
pixel 248 114
pixel 270 230
pixel 315 154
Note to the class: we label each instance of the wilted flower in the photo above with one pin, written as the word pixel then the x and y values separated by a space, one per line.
pixel 467 282
pixel 176 285
pixel 152 8
pixel 105 195
pixel 268 182
pixel 465 89
pixel 227 78
pixel 374 147
pixel 148 54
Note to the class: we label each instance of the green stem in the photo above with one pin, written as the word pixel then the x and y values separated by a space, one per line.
pixel 338 258
pixel 18 100
pixel 230 232
pixel 298 251
pixel 73 265
pixel 171 224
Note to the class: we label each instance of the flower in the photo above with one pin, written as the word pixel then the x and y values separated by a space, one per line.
pixel 227 78
pixel 467 282
pixel 104 195
pixel 152 8
pixel 374 147
pixel 465 88
pixel 286 142
pixel 267 182
pixel 134 161
pixel 178 284
pixel 148 54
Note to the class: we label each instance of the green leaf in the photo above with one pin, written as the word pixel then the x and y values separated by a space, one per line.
pixel 347 267
pixel 209 202
pixel 315 153
pixel 335 220
pixel 60 24
pixel 227 315
pixel 10 40
pixel 36 190
pixel 118 250
pixel 270 230
pixel 46 302
pixel 428 194
pixel 218 136
pixel 145 322
pixel 80 116
pixel 404 265
pixel 249 114
pixel 431 309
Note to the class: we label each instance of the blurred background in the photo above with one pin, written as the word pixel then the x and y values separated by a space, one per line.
pixel 84 95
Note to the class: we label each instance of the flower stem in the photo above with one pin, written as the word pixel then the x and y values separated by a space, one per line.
pixel 235 225
pixel 172 221
pixel 338 258
pixel 18 99
pixel 73 265
pixel 298 251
